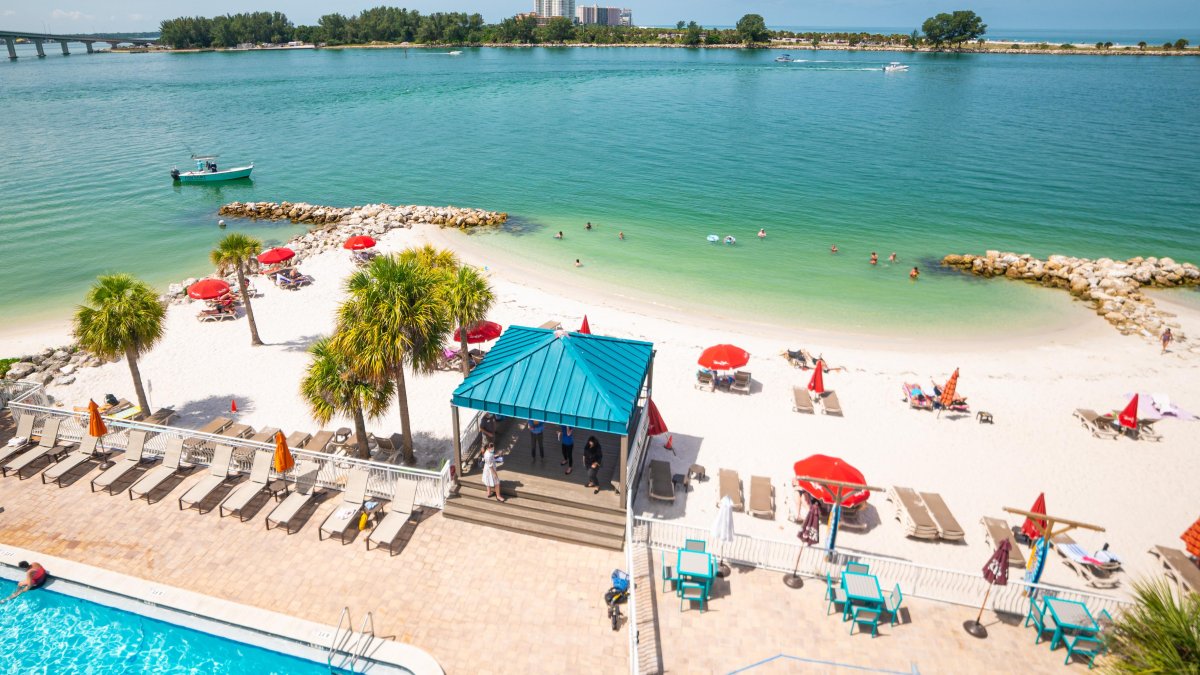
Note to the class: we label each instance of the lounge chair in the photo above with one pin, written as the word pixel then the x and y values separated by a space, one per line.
pixel 762 497
pixel 803 402
pixel 798 358
pixel 295 438
pixel 237 431
pixel 997 531
pixel 1097 424
pixel 22 440
pixel 171 465
pixel 1067 547
pixel 911 512
pixel 830 405
pixel 741 382
pixel 129 461
pixel 161 416
pixel 319 442
pixel 1179 567
pixel 947 525
pixel 731 486
pixel 661 486
pixel 304 492
pixel 706 380
pixel 401 510
pixel 915 397
pixel 1145 431
pixel 551 325
pixel 214 426
pixel 207 315
pixel 352 505
pixel 83 454
pixel 218 473
pixel 1089 577
pixel 265 435
pixel 241 495
pixel 48 447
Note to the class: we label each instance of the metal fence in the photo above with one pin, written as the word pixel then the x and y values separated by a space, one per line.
pixel 921 581
pixel 332 470
pixel 638 444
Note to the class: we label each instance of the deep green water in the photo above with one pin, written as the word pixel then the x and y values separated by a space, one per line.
pixel 1077 155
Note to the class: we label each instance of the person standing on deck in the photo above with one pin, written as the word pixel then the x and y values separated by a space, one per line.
pixel 592 456
pixel 566 436
pixel 535 439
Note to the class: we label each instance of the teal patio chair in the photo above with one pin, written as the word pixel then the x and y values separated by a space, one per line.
pixel 668 576
pixel 695 545
pixel 866 615
pixel 689 592
pixel 835 595
pixel 1037 617
pixel 893 601
pixel 1083 645
pixel 858 568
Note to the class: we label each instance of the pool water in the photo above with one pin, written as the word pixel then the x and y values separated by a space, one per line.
pixel 46 632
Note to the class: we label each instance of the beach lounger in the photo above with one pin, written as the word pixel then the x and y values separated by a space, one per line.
pixel 240 496
pixel 129 461
pixel 352 505
pixel 911 513
pixel 48 447
pixel 830 405
pixel 401 511
pixel 1146 431
pixel 218 473
pixel 1089 577
pixel 161 416
pixel 214 426
pixel 83 454
pixel 947 525
pixel 318 442
pixel 705 380
pixel 237 430
pixel 207 315
pixel 762 497
pixel 997 531
pixel 915 397
pixel 295 438
pixel 802 400
pixel 304 492
pixel 1179 567
pixel 22 440
pixel 172 464
pixel 741 382
pixel 1067 547
pixel 731 486
pixel 661 486
pixel 266 435
pixel 798 358
pixel 1097 424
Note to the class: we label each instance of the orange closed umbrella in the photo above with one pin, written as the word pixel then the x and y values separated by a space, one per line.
pixel 1191 538
pixel 949 390
pixel 96 427
pixel 283 457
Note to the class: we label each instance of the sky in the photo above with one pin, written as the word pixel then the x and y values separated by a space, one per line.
pixel 89 16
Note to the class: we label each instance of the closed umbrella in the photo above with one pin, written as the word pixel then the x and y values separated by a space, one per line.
pixel 817 384
pixel 1129 416
pixel 480 332
pixel 284 461
pixel 585 328
pixel 276 255
pixel 948 392
pixel 722 529
pixel 207 289
pixel 1191 539
pixel 359 242
pixel 96 426
pixel 655 424
pixel 995 571
pixel 1039 506
pixel 724 357
pixel 810 534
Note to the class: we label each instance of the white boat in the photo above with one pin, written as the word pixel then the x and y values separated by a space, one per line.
pixel 895 67
pixel 455 53
pixel 786 58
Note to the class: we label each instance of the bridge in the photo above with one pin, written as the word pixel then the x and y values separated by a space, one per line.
pixel 38 39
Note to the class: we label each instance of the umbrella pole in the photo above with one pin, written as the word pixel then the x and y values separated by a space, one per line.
pixel 794 580
pixel 975 628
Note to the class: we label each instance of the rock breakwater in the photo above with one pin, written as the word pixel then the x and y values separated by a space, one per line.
pixel 1113 287
pixel 368 216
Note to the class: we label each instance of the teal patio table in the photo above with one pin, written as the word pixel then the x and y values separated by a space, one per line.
pixel 1069 615
pixel 696 566
pixel 863 589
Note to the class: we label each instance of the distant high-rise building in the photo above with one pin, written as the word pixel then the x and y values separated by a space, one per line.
pixel 547 9
pixel 604 16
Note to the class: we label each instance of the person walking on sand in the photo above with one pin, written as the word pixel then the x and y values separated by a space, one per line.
pixel 566 436
pixel 592 456
pixel 914 274
pixel 491 479
pixel 535 439
pixel 1166 340
pixel 35 576
pixel 874 258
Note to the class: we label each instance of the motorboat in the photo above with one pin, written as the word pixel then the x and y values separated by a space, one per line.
pixel 895 67
pixel 207 171
pixel 786 58
pixel 455 53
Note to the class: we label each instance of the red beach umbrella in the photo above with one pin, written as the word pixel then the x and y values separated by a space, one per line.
pixel 207 289
pixel 585 328
pixel 276 255
pixel 480 332
pixel 948 390
pixel 656 424
pixel 830 468
pixel 1129 416
pixel 817 383
pixel 724 357
pixel 1039 506
pixel 1191 539
pixel 359 242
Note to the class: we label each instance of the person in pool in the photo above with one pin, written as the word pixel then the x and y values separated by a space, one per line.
pixel 914 274
pixel 35 576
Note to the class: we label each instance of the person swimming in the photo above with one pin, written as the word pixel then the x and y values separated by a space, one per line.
pixel 621 236
pixel 730 240
pixel 559 235
pixel 588 227
pixel 914 274
pixel 892 257
pixel 833 249
pixel 762 233
pixel 577 263
pixel 874 258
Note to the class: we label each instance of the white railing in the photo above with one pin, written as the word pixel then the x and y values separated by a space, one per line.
pixel 921 581
pixel 332 470
pixel 16 390
pixel 467 439
pixel 638 444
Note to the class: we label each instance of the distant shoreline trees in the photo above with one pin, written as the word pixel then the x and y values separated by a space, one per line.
pixel 953 29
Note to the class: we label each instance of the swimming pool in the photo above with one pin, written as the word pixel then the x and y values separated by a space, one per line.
pixel 47 632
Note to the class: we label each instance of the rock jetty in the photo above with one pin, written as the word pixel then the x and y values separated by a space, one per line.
pixel 1113 287
pixel 52 366
pixel 370 215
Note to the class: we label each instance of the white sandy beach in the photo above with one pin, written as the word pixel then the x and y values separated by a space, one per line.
pixel 1143 493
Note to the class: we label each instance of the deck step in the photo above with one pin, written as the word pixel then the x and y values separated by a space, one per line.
pixel 532 502
pixel 517 517
pixel 534 511
pixel 552 492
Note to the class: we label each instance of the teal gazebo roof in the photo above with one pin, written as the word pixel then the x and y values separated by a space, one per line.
pixel 579 380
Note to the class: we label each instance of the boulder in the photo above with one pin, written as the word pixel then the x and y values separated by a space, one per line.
pixel 20 369
pixel 64 380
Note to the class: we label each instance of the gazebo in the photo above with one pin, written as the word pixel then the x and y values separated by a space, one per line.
pixel 590 382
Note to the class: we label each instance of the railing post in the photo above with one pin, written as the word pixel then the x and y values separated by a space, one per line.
pixel 457 439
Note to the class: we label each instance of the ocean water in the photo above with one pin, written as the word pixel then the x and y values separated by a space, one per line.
pixel 1040 154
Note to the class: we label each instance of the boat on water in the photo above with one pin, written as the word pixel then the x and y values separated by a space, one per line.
pixel 207 171
pixel 786 58
pixel 895 67
pixel 455 53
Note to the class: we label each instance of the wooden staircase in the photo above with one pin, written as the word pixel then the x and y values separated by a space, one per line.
pixel 542 508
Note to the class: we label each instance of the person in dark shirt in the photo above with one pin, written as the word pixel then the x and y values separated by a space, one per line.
pixel 592 456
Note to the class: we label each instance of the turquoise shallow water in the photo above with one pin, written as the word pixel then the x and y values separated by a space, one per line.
pixel 1078 155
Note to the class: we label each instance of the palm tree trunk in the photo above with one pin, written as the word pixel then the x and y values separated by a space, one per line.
pixel 131 357
pixel 360 432
pixel 254 339
pixel 405 430
pixel 464 357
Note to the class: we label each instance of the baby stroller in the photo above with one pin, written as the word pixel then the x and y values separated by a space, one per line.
pixel 616 595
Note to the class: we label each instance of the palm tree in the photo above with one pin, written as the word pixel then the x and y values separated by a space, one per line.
pixel 432 257
pixel 331 388
pixel 121 315
pixel 235 252
pixel 1160 633
pixel 395 314
pixel 468 298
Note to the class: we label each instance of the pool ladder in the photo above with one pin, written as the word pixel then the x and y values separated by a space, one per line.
pixel 350 646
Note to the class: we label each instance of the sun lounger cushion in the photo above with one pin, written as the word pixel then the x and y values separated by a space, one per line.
pixel 260 473
pixel 947 525
pixel 85 452
pixel 762 497
pixel 731 486
pixel 830 405
pixel 159 474
pixel 661 486
pixel 998 530
pixel 401 510
pixel 802 400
